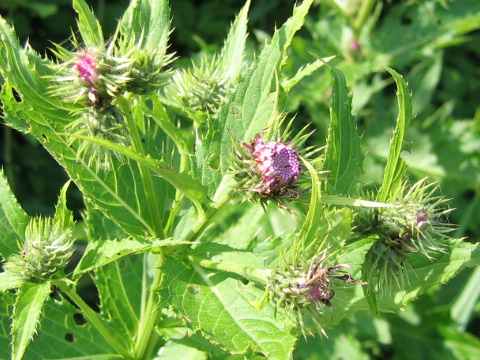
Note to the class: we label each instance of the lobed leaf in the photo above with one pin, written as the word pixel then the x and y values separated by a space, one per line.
pixel 396 165
pixel 66 335
pixel 147 22
pixel 26 315
pixel 88 25
pixel 231 57
pixel 343 156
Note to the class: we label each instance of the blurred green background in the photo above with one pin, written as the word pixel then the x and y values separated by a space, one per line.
pixel 434 44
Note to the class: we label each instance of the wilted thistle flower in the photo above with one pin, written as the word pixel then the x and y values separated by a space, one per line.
pixel 307 288
pixel 270 166
pixel 46 250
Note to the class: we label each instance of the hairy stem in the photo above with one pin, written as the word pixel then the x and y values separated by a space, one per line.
pixel 362 16
pixel 145 172
pixel 146 327
pixel 93 318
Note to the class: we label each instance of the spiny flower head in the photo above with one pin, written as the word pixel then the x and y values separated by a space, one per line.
pixel 270 166
pixel 416 223
pixel 278 164
pixel 46 250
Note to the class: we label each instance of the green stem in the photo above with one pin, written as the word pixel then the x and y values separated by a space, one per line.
pixel 93 318
pixel 145 172
pixel 362 16
pixel 146 327
pixel 257 275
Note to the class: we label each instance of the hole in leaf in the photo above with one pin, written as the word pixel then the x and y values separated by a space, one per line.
pixel 45 137
pixel 69 337
pixel 17 96
pixel 193 289
pixel 79 319
pixel 54 295
pixel 405 20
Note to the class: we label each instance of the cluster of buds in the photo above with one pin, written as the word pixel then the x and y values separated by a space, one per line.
pixel 45 252
pixel 199 90
pixel 271 167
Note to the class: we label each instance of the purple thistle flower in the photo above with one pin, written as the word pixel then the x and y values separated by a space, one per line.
pixel 86 67
pixel 277 163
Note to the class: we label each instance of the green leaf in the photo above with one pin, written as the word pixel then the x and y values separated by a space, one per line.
pixel 462 345
pixel 66 335
pixel 9 281
pixel 250 107
pixel 217 306
pixel 396 165
pixel 343 156
pixel 463 306
pixel 62 214
pixel 26 315
pixel 303 72
pixel 147 22
pixel 13 220
pixel 240 233
pixel 88 25
pixel 100 253
pixel 231 57
pixel 121 286
pixel 7 299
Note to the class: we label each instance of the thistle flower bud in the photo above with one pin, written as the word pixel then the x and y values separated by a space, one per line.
pixel 45 252
pixel 199 90
pixel 416 222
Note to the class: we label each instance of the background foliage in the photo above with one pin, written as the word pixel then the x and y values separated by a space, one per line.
pixel 434 44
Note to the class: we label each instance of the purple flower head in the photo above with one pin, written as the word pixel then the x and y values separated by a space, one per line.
pixel 86 67
pixel 277 163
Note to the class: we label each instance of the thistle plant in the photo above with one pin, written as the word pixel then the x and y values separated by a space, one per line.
pixel 177 256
